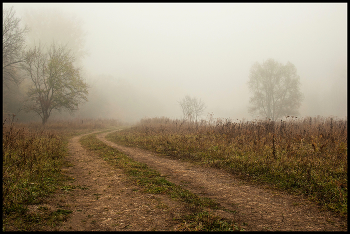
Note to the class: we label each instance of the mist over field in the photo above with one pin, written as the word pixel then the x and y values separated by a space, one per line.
pixel 140 59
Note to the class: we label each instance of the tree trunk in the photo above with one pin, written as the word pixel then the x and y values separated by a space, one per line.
pixel 45 118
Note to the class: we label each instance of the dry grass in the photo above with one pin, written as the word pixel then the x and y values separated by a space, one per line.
pixel 306 155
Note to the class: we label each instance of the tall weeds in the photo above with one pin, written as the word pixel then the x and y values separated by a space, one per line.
pixel 306 155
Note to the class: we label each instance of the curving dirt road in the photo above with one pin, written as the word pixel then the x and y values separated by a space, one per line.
pixel 105 201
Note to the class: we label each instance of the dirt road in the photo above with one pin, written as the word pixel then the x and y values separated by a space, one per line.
pixel 109 203
pixel 106 202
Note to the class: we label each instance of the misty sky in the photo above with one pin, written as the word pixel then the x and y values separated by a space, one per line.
pixel 166 51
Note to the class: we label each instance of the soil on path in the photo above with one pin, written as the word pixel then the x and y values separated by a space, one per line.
pixel 262 209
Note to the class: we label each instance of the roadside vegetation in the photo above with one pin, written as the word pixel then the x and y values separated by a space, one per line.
pixel 33 155
pixel 199 216
pixel 303 156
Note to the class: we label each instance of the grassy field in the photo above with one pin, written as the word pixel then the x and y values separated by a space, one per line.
pixel 32 159
pixel 304 156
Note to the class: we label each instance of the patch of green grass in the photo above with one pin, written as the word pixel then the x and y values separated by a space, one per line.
pixel 151 180
pixel 36 221
pixel 68 188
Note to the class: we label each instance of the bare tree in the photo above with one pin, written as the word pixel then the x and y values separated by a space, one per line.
pixel 185 104
pixel 198 107
pixel 192 108
pixel 56 83
pixel 12 46
pixel 275 88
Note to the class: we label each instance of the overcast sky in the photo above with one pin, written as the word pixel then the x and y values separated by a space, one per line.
pixel 205 50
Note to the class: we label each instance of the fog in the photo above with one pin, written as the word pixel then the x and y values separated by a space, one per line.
pixel 142 59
